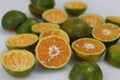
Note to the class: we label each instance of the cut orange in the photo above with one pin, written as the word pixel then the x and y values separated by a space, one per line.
pixel 40 27
pixel 22 41
pixel 75 8
pixel 53 52
pixel 54 16
pixel 113 19
pixel 57 32
pixel 88 49
pixel 92 19
pixel 107 33
pixel 18 62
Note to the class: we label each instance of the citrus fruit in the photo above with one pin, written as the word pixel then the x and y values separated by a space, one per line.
pixel 37 10
pixel 40 27
pixel 86 71
pixel 57 32
pixel 113 20
pixel 53 52
pixel 107 33
pixel 92 19
pixel 18 62
pixel 88 49
pixel 25 27
pixel 22 41
pixel 54 16
pixel 112 55
pixel 76 28
pixel 12 19
pixel 46 3
pixel 75 8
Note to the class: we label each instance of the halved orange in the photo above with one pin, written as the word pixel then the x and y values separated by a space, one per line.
pixel 18 62
pixel 113 19
pixel 107 33
pixel 54 16
pixel 88 49
pixel 40 27
pixel 22 41
pixel 53 52
pixel 92 19
pixel 57 32
pixel 75 8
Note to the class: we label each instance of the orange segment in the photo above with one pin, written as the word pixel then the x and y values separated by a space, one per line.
pixel 106 32
pixel 53 52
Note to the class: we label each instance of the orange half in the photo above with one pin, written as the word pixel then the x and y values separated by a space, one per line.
pixel 53 52
pixel 106 32
pixel 92 19
pixel 88 49
pixel 54 16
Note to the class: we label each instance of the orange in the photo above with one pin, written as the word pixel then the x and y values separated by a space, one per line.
pixel 88 49
pixel 18 62
pixel 107 33
pixel 57 32
pixel 40 27
pixel 53 52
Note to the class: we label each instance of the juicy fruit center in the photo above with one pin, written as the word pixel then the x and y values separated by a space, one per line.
pixel 89 46
pixel 53 52
pixel 18 61
pixel 106 32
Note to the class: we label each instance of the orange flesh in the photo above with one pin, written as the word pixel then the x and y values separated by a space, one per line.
pixel 43 26
pixel 114 18
pixel 106 32
pixel 53 52
pixel 88 46
pixel 21 40
pixel 55 16
pixel 62 34
pixel 75 5
pixel 92 20
pixel 19 60
pixel 47 33
pixel 56 32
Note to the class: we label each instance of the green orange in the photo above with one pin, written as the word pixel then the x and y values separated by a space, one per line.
pixel 22 41
pixel 57 32
pixel 107 33
pixel 54 16
pixel 75 8
pixel 17 62
pixel 88 49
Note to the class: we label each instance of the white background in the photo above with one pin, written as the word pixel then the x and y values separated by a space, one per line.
pixel 100 7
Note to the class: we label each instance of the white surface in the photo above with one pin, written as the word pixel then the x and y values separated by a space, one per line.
pixel 101 7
